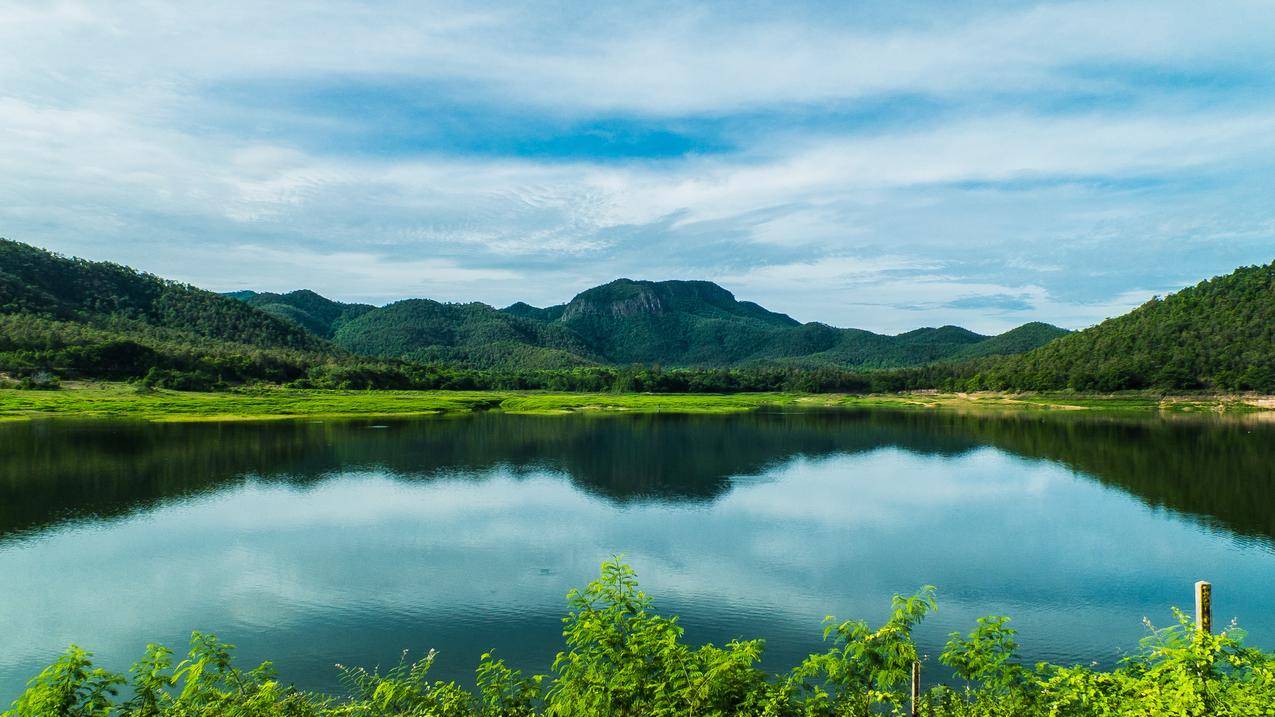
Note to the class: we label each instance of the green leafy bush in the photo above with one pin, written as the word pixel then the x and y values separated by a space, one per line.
pixel 623 658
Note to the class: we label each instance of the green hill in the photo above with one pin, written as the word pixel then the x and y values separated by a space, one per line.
pixel 524 310
pixel 684 323
pixel 40 283
pixel 1015 341
pixel 316 314
pixel 77 317
pixel 1218 334
pixel 700 324
pixel 695 324
pixel 74 317
pixel 474 335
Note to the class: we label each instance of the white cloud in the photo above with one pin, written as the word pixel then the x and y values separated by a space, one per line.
pixel 359 274
pixel 644 57
pixel 115 144
pixel 838 270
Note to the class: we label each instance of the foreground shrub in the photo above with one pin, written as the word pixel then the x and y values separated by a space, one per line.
pixel 623 658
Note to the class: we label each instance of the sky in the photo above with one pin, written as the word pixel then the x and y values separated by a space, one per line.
pixel 879 165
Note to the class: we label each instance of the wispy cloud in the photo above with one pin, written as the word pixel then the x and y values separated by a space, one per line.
pixel 875 165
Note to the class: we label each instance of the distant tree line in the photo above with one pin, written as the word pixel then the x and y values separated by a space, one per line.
pixel 33 346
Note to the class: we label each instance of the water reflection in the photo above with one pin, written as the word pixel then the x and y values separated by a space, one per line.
pixel 1220 472
pixel 315 542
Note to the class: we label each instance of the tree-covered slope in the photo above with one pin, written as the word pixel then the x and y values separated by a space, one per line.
pixel 474 335
pixel 72 317
pixel 1015 341
pixel 524 310
pixel 683 323
pixel 316 314
pixel 1218 334
pixel 38 282
pixel 698 323
pixel 76 318
pixel 670 323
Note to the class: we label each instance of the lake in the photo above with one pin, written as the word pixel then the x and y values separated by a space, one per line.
pixel 311 543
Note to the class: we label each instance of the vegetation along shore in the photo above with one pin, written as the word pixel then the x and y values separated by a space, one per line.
pixel 623 657
pixel 100 400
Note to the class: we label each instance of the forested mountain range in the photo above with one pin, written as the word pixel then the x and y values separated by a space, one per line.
pixel 69 317
pixel 666 323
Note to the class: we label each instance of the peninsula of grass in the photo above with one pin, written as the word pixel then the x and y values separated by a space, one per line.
pixel 125 401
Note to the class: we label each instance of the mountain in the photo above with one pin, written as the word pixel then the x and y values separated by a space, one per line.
pixel 73 316
pixel 474 335
pixel 625 322
pixel 40 283
pixel 1218 334
pixel 1015 341
pixel 698 323
pixel 524 310
pixel 683 323
pixel 304 308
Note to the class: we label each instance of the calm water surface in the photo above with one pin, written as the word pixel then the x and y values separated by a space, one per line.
pixel 313 543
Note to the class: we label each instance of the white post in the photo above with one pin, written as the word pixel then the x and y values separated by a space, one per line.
pixel 1204 606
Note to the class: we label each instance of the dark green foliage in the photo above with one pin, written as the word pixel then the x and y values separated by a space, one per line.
pixel 179 380
pixel 40 283
pixel 527 311
pixel 116 348
pixel 1217 335
pixel 669 323
pixel 700 324
pixel 626 297
pixel 74 318
pixel 627 379
pixel 622 658
pixel 473 335
pixel 305 308
pixel 1015 341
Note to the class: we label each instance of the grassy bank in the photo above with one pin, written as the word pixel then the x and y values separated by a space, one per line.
pixel 622 657
pixel 123 401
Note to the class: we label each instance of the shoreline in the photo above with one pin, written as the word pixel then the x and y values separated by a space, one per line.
pixel 120 401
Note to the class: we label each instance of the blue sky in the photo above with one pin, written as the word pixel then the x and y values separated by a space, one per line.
pixel 877 165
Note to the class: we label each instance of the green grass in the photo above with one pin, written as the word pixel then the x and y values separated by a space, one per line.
pixel 122 401
pixel 560 403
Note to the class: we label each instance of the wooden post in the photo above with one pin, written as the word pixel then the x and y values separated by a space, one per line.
pixel 916 689
pixel 1204 606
